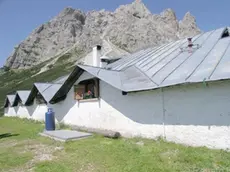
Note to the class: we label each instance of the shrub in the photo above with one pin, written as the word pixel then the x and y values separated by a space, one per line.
pixel 6 68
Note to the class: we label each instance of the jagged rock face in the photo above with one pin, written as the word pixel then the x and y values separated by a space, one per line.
pixel 188 27
pixel 131 27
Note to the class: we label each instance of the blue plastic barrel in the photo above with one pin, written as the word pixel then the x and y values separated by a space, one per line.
pixel 50 120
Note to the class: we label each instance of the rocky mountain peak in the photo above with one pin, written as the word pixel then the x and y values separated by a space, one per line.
pixel 136 8
pixel 70 14
pixel 188 17
pixel 67 11
pixel 130 27
pixel 169 14
pixel 188 26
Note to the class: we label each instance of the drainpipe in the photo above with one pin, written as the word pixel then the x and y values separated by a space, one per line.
pixel 204 83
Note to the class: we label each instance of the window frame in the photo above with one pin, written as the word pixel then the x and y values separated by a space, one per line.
pixel 94 82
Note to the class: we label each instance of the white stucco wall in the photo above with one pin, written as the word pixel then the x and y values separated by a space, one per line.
pixel 6 109
pixel 10 111
pixel 99 114
pixel 34 111
pixel 194 114
pixel 108 112
pixel 190 114
pixel 39 112
pixel 198 115
pixel 23 112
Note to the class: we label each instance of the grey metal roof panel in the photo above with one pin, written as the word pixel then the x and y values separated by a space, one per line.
pixel 135 57
pixel 123 60
pixel 223 67
pixel 205 70
pixel 47 90
pixel 84 76
pixel 129 79
pixel 10 99
pixel 61 80
pixel 168 65
pixel 110 76
pixel 23 94
pixel 181 73
pixel 158 62
pixel 179 60
pixel 144 65
pixel 127 61
pixel 134 79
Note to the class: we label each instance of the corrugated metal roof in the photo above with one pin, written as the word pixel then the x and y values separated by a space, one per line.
pixel 167 65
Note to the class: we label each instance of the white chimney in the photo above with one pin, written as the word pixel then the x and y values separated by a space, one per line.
pixel 96 56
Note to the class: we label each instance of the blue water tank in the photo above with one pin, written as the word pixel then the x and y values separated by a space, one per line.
pixel 50 120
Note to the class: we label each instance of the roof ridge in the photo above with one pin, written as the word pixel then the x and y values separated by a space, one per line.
pixel 146 75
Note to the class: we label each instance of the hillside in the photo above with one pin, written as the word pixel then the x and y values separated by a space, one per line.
pixel 130 27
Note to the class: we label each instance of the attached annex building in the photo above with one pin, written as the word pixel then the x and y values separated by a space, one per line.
pixel 179 91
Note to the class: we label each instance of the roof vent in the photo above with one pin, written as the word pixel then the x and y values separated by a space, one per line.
pixel 190 44
pixel 225 33
pixel 190 47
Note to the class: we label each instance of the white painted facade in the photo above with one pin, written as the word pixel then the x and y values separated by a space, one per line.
pixel 35 111
pixel 23 112
pixel 195 115
pixel 10 111
pixel 39 112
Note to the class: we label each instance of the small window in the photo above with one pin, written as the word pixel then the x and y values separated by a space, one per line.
pixel 40 99
pixel 88 89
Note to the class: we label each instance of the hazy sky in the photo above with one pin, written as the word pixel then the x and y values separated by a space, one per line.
pixel 19 17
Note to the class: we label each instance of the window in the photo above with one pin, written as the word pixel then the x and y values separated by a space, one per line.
pixel 88 89
pixel 40 99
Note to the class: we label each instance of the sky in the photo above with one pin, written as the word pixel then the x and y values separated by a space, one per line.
pixel 18 18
